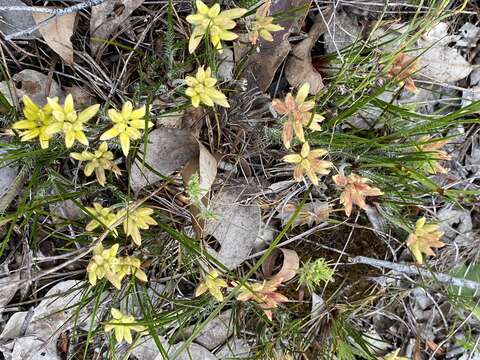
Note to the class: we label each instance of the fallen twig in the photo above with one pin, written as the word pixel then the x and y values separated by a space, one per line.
pixel 49 10
pixel 415 270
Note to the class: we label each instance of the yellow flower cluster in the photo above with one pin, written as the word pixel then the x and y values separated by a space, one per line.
pixel 215 24
pixel 423 239
pixel 105 264
pixel 127 125
pixel 201 89
pixel 263 24
pixel 212 283
pixel 133 220
pixel 265 293
pixel 299 115
pixel 98 161
pixel 43 123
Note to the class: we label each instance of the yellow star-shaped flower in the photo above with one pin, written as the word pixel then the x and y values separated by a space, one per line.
pixel 127 124
pixel 122 325
pixel 201 89
pixel 213 22
pixel 72 124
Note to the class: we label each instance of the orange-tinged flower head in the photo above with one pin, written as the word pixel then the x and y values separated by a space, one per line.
pixel 299 115
pixel 423 239
pixel 308 162
pixel 402 69
pixel 356 189
pixel 265 294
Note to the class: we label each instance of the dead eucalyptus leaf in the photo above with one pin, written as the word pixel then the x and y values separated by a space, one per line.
pixel 105 20
pixel 299 69
pixel 65 210
pixel 167 151
pixel 236 228
pixel 37 86
pixel 8 188
pixel 262 65
pixel 215 333
pixel 343 31
pixel 438 61
pixel 443 64
pixel 57 33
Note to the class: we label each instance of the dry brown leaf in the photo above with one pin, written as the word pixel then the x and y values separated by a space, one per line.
pixel 262 66
pixel 57 34
pixel 8 292
pixel 437 349
pixel 299 69
pixel 105 19
pixel 291 263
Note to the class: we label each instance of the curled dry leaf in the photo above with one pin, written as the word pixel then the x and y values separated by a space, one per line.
pixel 299 68
pixel 262 66
pixel 58 310
pixel 8 292
pixel 105 20
pixel 57 34
pixel 290 265
pixel 10 185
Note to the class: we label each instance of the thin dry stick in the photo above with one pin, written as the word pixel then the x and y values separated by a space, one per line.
pixel 415 270
pixel 55 12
